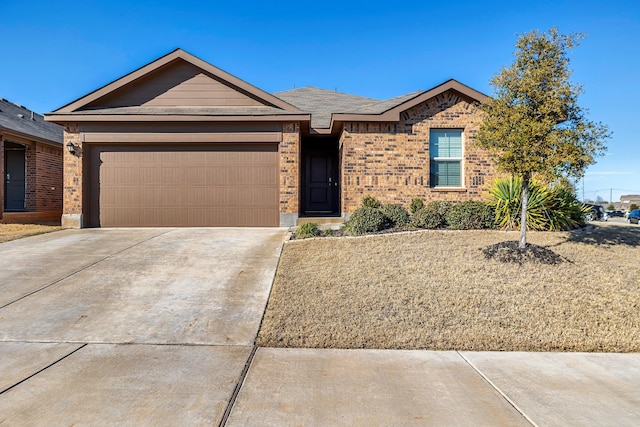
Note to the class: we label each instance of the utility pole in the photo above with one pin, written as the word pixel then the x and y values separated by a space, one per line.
pixel 611 196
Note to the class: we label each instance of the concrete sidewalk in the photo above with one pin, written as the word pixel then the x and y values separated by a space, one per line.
pixel 386 387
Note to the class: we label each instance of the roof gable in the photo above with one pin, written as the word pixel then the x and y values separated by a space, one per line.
pixel 177 84
pixel 177 79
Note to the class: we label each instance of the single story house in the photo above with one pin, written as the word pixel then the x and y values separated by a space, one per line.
pixel 31 166
pixel 627 200
pixel 180 142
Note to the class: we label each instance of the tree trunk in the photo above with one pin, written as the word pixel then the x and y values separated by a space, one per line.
pixel 523 217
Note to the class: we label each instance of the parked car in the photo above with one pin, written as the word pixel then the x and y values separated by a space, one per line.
pixel 615 213
pixel 596 213
pixel 633 217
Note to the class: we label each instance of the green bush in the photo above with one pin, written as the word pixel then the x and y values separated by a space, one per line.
pixel 416 205
pixel 309 229
pixel 370 202
pixel 470 215
pixel 366 220
pixel 431 216
pixel 553 207
pixel 397 215
pixel 563 210
pixel 633 207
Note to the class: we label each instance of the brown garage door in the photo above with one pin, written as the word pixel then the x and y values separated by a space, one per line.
pixel 215 185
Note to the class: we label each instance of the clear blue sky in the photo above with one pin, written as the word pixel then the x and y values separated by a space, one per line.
pixel 55 52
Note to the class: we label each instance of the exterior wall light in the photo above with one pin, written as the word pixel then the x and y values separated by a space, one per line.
pixel 71 148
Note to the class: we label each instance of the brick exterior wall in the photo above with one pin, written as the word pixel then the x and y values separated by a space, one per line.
pixel 290 168
pixel 48 186
pixel 72 200
pixel 391 160
pixel 31 179
pixel 43 179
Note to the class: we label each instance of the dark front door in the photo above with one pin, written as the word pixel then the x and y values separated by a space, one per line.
pixel 321 184
pixel 14 180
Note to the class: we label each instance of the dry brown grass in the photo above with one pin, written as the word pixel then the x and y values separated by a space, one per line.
pixel 18 231
pixel 436 290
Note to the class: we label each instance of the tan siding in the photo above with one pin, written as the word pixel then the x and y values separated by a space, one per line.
pixel 178 84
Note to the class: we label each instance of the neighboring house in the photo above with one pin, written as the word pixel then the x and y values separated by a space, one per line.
pixel 31 166
pixel 627 200
pixel 180 142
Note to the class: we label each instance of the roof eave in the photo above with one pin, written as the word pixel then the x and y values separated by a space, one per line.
pixel 76 118
pixel 393 113
pixel 6 131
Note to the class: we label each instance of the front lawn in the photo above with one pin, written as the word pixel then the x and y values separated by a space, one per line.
pixel 436 290
pixel 18 231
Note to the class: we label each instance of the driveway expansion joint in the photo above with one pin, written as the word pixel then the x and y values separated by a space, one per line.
pixel 495 387
pixel 236 390
pixel 81 269
pixel 42 370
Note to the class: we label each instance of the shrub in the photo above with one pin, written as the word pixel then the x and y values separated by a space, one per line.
pixel 550 207
pixel 309 229
pixel 397 215
pixel 330 232
pixel 416 205
pixel 633 207
pixel 470 215
pixel 563 210
pixel 431 216
pixel 370 202
pixel 366 220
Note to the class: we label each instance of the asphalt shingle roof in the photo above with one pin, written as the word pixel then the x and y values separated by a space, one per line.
pixel 323 103
pixel 19 119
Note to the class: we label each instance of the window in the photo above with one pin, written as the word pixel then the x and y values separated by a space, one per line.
pixel 445 148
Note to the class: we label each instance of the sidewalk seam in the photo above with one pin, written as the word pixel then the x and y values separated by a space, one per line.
pixel 79 270
pixel 41 370
pixel 495 387
pixel 236 390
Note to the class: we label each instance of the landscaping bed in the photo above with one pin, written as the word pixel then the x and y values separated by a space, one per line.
pixel 449 290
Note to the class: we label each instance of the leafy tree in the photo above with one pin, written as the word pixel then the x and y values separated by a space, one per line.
pixel 611 207
pixel 633 207
pixel 533 125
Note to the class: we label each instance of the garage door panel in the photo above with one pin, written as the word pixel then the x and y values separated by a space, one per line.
pixel 231 185
pixel 219 176
pixel 265 175
pixel 197 175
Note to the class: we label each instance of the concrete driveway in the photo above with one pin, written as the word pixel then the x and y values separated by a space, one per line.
pixel 130 326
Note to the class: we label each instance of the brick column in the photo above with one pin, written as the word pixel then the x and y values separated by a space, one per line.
pixel 289 174
pixel 72 183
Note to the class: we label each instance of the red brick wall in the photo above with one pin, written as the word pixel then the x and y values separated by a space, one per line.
pixel 49 178
pixel 391 160
pixel 43 190
pixel 30 185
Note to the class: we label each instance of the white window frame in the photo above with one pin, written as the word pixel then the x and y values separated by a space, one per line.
pixel 445 159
